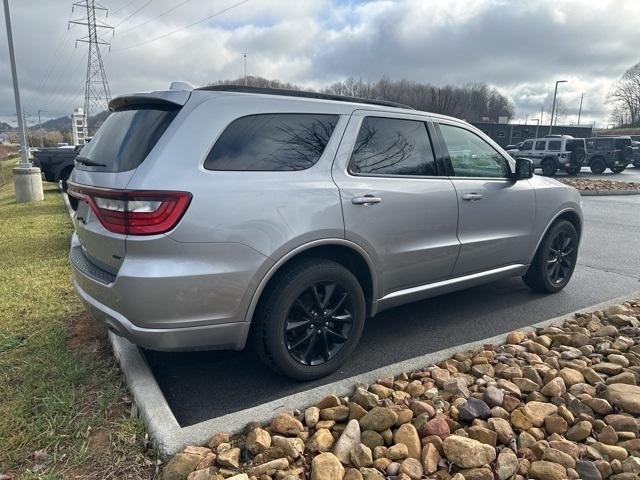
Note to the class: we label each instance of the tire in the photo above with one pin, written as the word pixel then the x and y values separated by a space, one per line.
pixel 578 156
pixel 618 169
pixel 636 163
pixel 285 318
pixel 64 176
pixel 555 260
pixel 597 165
pixel 549 167
pixel 574 170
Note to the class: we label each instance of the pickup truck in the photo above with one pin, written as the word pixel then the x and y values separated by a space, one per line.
pixel 56 163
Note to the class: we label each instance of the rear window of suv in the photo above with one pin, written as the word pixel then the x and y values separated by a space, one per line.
pixel 125 138
pixel 272 142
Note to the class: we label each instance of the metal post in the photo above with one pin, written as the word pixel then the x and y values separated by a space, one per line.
pixel 553 107
pixel 245 68
pixel 580 110
pixel 41 131
pixel 24 144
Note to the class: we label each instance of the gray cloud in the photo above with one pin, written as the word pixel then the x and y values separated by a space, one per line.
pixel 521 47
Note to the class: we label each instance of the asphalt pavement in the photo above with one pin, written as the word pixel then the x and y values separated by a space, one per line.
pixel 202 385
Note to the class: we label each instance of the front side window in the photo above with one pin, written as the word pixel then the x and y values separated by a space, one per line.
pixel 541 145
pixel 555 145
pixel 527 145
pixel 272 142
pixel 471 156
pixel 392 146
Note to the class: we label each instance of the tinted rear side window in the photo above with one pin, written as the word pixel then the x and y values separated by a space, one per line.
pixel 125 139
pixel 272 142
pixel 391 146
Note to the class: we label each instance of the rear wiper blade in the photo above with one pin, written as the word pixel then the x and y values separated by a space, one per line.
pixel 88 162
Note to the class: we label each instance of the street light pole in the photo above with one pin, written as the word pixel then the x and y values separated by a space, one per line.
pixel 245 68
pixel 16 92
pixel 553 107
pixel 580 110
pixel 26 178
pixel 41 132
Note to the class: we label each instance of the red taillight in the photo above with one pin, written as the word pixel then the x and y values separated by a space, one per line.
pixel 134 212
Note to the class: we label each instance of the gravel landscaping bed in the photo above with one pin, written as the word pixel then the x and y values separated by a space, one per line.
pixel 558 403
pixel 589 185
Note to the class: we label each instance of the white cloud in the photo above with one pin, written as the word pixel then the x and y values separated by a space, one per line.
pixel 521 47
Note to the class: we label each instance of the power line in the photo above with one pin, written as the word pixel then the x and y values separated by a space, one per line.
pixel 132 14
pixel 123 7
pixel 183 28
pixel 153 18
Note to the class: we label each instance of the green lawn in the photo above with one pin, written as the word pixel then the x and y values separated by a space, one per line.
pixel 64 411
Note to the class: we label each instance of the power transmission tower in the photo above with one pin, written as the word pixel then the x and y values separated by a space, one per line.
pixel 96 91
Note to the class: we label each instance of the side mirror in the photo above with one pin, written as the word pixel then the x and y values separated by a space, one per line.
pixel 524 169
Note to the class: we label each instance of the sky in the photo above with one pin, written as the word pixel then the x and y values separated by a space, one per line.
pixel 521 47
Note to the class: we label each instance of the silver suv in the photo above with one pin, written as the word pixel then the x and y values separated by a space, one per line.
pixel 208 217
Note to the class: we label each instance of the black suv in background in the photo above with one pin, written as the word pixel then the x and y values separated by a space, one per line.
pixel 56 163
pixel 614 153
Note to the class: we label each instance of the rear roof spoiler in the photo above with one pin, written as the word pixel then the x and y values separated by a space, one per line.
pixel 166 99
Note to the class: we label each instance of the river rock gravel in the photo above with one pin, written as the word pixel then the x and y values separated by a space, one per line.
pixel 558 403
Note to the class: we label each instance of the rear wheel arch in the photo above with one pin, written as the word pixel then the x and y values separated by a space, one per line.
pixel 346 253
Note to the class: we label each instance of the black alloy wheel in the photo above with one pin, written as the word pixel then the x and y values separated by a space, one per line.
pixel 309 319
pixel 319 323
pixel 555 260
pixel 560 258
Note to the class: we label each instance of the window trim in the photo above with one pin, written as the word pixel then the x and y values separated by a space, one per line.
pixel 235 119
pixel 424 120
pixel 443 146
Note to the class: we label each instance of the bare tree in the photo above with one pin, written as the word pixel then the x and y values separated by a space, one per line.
pixel 625 98
pixel 471 102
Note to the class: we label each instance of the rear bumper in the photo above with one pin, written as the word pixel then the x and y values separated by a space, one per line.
pixel 226 336
pixel 182 296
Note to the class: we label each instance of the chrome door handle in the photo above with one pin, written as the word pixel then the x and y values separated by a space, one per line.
pixel 366 200
pixel 472 197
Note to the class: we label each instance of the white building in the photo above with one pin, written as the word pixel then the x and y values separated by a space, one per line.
pixel 79 126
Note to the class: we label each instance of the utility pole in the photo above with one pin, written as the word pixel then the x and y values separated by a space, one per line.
pixel 553 107
pixel 41 131
pixel 580 110
pixel 541 115
pixel 245 68
pixel 26 178
pixel 96 91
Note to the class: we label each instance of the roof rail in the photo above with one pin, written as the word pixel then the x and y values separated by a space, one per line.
pixel 302 94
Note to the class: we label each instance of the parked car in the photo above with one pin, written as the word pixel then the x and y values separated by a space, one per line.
pixel 553 153
pixel 227 213
pixel 614 153
pixel 56 163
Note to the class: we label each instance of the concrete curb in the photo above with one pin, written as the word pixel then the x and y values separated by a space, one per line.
pixel 607 193
pixel 170 438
